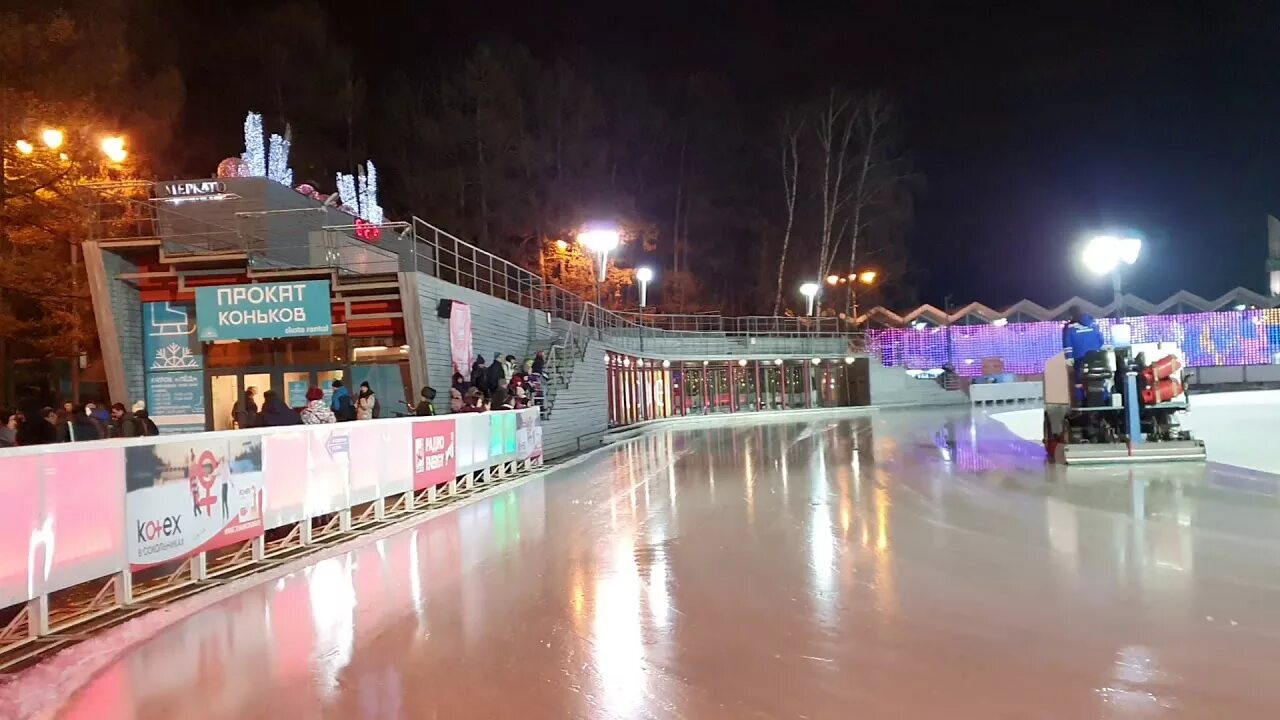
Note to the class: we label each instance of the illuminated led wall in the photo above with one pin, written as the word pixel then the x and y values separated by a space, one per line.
pixel 1245 337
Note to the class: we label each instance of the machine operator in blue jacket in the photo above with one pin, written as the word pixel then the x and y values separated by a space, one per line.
pixel 1080 337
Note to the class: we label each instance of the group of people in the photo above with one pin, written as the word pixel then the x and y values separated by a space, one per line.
pixel 274 412
pixel 500 385
pixel 72 423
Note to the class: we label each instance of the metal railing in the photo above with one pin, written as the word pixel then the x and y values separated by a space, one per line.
pixel 287 238
pixel 454 260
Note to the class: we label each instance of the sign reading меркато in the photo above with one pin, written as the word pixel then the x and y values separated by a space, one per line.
pixel 264 310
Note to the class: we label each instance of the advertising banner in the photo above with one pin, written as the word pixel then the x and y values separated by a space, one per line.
pixel 380 463
pixel 435 457
pixel 60 520
pixel 495 436
pixel 509 439
pixel 264 310
pixel 525 424
pixel 460 338
pixel 188 497
pixel 284 458
pixel 169 337
pixel 327 468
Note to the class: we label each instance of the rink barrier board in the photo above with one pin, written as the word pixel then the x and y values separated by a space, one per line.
pixel 107 511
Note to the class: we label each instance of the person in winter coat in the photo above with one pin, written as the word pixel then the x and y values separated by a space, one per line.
pixel 317 411
pixel 275 413
pixel 123 424
pixel 84 426
pixel 8 429
pixel 474 401
pixel 521 399
pixel 477 374
pixel 539 363
pixel 343 407
pixel 245 412
pixel 455 400
pixel 460 383
pixel 366 403
pixel 149 428
pixel 426 407
pixel 501 398
pixel 496 373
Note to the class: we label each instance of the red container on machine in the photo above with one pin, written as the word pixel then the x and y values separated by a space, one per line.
pixel 1164 367
pixel 1161 391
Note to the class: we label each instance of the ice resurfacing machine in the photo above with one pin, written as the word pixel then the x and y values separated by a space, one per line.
pixel 1118 405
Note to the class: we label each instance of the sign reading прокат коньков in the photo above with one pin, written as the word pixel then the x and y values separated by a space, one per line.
pixel 264 310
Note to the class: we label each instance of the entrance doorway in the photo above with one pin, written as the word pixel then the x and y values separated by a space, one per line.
pixel 228 388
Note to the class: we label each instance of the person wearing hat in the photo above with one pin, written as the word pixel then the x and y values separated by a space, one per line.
pixel 148 425
pixel 426 407
pixel 521 398
pixel 317 411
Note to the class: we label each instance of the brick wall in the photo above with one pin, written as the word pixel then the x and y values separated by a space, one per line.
pixel 126 308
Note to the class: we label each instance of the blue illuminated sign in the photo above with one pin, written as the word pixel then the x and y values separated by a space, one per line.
pixel 169 337
pixel 264 310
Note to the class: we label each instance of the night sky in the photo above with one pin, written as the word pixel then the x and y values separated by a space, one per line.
pixel 1031 125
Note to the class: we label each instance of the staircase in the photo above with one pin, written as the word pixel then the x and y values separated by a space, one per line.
pixel 562 357
pixel 892 387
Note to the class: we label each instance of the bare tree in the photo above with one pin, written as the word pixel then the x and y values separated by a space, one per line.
pixel 834 130
pixel 881 172
pixel 792 126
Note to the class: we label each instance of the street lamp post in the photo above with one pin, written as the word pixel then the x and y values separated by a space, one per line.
pixel 1107 255
pixel 600 242
pixel 644 276
pixel 810 291
pixel 53 140
pixel 865 277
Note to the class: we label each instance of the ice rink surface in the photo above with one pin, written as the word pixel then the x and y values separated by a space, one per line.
pixel 913 564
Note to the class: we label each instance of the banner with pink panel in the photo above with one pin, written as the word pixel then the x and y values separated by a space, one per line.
pixel 62 519
pixel 79 512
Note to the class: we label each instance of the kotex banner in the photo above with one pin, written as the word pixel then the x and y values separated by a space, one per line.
pixel 435 452
pixel 191 496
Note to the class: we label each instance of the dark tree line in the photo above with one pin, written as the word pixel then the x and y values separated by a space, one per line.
pixel 733 205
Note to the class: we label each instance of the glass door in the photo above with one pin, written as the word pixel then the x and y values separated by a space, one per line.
pixel 225 391
pixel 228 390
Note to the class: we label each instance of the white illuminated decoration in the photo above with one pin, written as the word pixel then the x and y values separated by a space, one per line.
pixel 265 159
pixel 347 191
pixel 254 155
pixel 278 159
pixel 359 193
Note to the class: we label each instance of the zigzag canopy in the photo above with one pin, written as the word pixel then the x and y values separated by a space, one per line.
pixel 1027 311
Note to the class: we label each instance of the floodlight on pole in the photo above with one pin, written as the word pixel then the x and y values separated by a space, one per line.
pixel 600 242
pixel 810 291
pixel 52 138
pixel 1107 255
pixel 644 276
pixel 113 148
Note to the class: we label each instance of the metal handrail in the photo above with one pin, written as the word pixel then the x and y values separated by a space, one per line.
pixel 450 258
